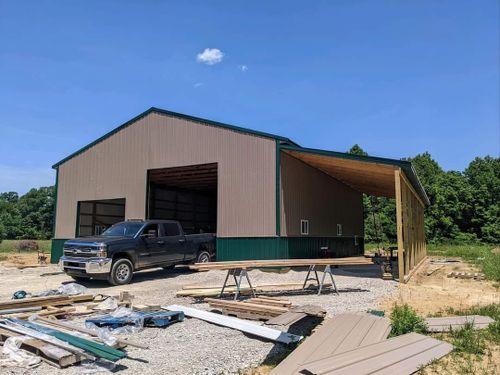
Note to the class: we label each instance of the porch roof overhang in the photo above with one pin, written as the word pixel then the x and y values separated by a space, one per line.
pixel 366 174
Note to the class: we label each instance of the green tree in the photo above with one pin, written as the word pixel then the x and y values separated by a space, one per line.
pixel 37 208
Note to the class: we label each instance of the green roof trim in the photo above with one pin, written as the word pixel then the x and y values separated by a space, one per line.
pixel 406 166
pixel 178 115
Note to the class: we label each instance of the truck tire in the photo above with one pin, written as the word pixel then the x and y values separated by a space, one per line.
pixel 121 272
pixel 203 257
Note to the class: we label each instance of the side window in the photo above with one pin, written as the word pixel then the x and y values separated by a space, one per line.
pixel 151 230
pixel 171 229
pixel 304 227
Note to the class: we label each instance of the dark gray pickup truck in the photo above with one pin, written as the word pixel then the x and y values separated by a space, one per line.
pixel 134 245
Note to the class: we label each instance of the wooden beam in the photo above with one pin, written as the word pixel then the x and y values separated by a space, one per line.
pixel 399 224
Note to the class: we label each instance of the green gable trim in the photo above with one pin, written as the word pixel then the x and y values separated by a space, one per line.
pixel 178 115
pixel 56 249
pixel 406 166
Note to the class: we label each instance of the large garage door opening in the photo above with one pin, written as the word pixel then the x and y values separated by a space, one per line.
pixel 187 194
pixel 94 217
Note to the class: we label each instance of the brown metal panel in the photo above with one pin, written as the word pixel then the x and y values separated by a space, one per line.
pixel 117 167
pixel 308 193
pixel 342 333
pixel 399 355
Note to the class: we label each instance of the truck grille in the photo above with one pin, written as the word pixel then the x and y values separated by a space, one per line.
pixel 81 251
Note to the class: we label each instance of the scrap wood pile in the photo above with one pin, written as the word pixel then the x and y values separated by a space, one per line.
pixel 61 343
pixel 273 310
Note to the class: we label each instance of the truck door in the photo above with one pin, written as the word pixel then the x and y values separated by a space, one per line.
pixel 153 245
pixel 175 243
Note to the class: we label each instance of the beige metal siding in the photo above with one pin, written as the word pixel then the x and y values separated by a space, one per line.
pixel 116 168
pixel 307 193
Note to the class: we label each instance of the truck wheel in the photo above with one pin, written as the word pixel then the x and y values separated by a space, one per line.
pixel 203 257
pixel 121 272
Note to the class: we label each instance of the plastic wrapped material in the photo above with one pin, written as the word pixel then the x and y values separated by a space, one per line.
pixel 104 334
pixel 127 321
pixel 108 304
pixel 18 357
pixel 70 289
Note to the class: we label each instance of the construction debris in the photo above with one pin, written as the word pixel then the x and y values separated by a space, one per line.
pixel 138 318
pixel 239 324
pixel 444 324
pixel 265 308
pixel 466 275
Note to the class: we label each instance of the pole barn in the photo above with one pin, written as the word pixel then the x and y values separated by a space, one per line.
pixel 263 195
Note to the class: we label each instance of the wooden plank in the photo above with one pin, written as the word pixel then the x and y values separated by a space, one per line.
pixel 355 261
pixel 341 333
pixel 399 225
pixel 235 323
pixel 404 354
pixel 51 354
pixel 443 324
pixel 245 306
pixel 287 318
pixel 270 302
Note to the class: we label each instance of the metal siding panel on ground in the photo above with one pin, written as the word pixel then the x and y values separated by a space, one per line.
pixel 443 324
pixel 399 355
pixel 341 333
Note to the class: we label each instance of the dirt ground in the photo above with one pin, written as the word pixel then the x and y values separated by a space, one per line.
pixel 435 293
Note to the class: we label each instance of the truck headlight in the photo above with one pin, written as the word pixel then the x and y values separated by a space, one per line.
pixel 102 251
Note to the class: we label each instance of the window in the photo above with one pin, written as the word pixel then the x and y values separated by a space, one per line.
pixel 304 227
pixel 151 230
pixel 339 229
pixel 171 229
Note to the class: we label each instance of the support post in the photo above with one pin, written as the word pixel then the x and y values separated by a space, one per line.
pixel 399 224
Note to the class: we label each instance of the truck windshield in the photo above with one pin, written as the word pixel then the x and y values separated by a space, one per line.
pixel 123 229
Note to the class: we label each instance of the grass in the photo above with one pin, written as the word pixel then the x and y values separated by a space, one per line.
pixel 9 246
pixel 479 254
pixel 405 320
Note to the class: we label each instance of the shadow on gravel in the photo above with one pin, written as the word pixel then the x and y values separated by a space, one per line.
pixel 139 277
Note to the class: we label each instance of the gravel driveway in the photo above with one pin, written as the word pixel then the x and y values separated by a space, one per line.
pixel 194 346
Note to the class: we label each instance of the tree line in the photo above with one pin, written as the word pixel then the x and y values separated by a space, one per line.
pixel 465 206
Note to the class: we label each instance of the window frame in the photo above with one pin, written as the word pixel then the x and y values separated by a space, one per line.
pixel 304 227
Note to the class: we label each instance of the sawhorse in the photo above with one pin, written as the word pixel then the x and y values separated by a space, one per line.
pixel 238 274
pixel 327 270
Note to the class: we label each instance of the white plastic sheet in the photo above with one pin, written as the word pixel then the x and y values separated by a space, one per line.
pixel 70 289
pixel 18 357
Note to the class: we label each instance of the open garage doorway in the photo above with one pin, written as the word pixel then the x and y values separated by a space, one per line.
pixel 187 194
pixel 94 217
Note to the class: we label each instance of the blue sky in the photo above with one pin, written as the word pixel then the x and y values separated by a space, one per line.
pixel 397 77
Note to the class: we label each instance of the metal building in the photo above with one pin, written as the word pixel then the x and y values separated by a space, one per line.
pixel 263 195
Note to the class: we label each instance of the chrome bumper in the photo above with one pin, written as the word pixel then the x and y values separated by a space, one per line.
pixel 88 265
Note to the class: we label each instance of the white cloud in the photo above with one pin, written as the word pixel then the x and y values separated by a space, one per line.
pixel 243 68
pixel 210 56
pixel 198 84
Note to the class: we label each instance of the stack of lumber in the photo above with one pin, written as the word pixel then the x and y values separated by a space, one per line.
pixel 358 344
pixel 214 291
pixel 43 306
pixel 274 310
pixel 274 263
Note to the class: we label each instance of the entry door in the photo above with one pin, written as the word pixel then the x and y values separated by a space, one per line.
pixel 154 245
pixel 175 243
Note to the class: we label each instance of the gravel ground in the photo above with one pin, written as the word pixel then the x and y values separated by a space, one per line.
pixel 194 346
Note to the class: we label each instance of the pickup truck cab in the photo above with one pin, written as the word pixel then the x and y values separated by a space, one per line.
pixel 132 246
